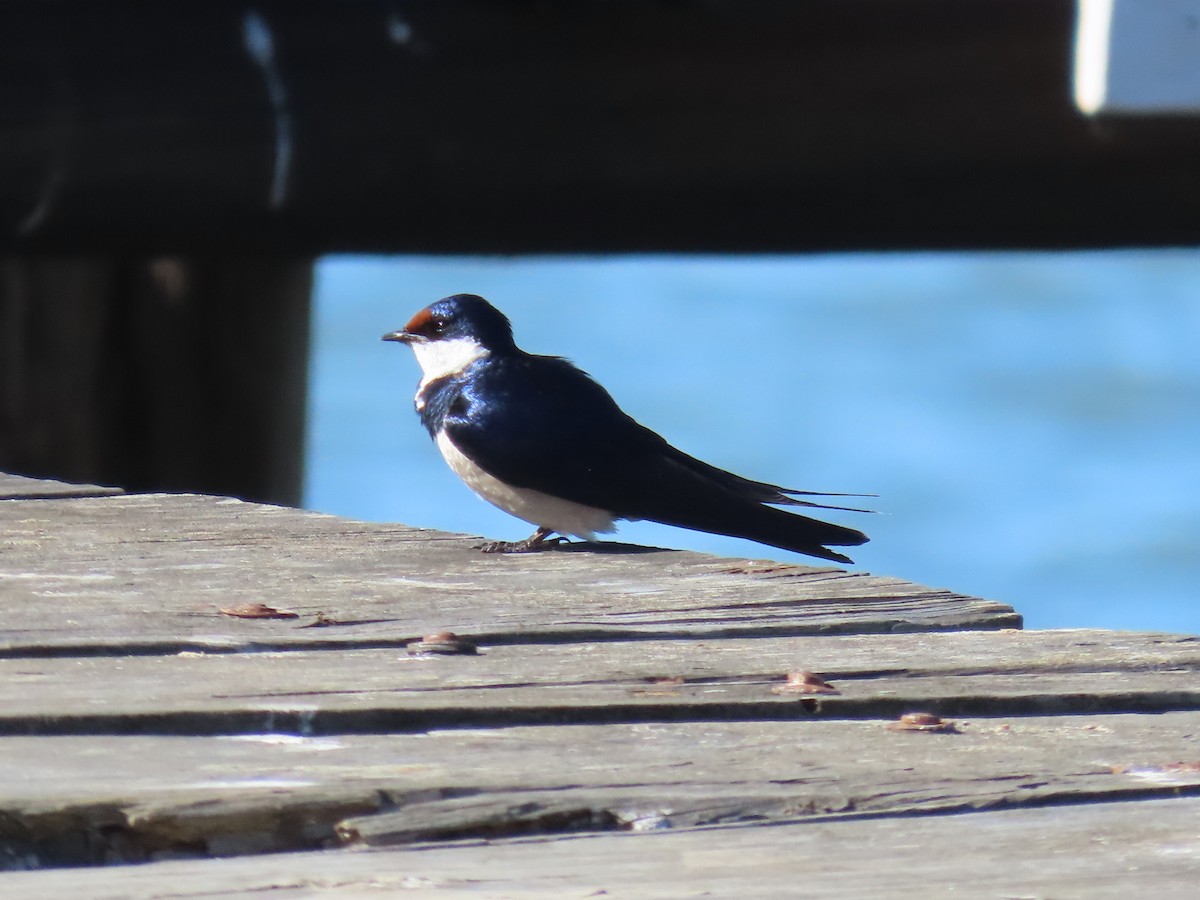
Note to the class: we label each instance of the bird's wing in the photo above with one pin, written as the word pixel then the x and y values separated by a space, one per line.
pixel 540 423
pixel 759 491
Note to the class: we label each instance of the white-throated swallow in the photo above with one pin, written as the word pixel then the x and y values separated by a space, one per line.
pixel 540 439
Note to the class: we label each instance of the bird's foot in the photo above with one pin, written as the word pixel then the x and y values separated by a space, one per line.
pixel 536 542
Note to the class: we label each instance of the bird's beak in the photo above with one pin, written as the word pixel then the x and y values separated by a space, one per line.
pixel 402 337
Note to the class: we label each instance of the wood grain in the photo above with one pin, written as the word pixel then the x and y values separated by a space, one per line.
pixel 149 574
pixel 622 727
pixel 341 690
pixel 19 487
pixel 1102 851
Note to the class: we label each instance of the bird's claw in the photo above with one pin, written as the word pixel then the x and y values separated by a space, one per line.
pixel 536 542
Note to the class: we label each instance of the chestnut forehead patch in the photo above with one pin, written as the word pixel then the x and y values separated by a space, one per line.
pixel 421 323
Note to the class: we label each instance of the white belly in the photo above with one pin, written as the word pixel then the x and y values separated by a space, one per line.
pixel 560 516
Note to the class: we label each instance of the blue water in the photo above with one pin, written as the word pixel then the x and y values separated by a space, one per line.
pixel 1031 423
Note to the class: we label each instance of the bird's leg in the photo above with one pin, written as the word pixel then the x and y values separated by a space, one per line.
pixel 539 540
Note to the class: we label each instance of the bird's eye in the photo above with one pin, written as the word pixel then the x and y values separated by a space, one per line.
pixel 437 325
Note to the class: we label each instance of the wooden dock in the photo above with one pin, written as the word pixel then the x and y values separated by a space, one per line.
pixel 203 696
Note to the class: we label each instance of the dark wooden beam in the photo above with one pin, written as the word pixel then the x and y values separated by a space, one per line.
pixel 602 125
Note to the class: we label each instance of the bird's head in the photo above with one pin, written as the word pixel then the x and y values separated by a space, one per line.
pixel 449 335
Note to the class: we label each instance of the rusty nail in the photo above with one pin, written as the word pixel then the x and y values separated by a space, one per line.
pixel 923 721
pixel 320 620
pixel 257 611
pixel 803 682
pixel 443 643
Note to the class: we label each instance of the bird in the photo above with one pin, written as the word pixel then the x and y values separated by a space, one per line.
pixel 540 439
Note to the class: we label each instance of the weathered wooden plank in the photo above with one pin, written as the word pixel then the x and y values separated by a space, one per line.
pixel 673 732
pixel 19 487
pixel 236 795
pixel 1091 851
pixel 357 690
pixel 149 573
pixel 614 688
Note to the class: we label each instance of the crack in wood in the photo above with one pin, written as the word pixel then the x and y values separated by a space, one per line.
pixel 519 813
pixel 309 720
pixel 114 833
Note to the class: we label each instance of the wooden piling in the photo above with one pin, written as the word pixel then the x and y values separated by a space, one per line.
pixel 165 374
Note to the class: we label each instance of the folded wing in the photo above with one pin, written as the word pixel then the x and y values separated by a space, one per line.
pixel 607 460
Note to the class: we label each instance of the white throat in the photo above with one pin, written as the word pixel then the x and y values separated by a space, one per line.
pixel 438 359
